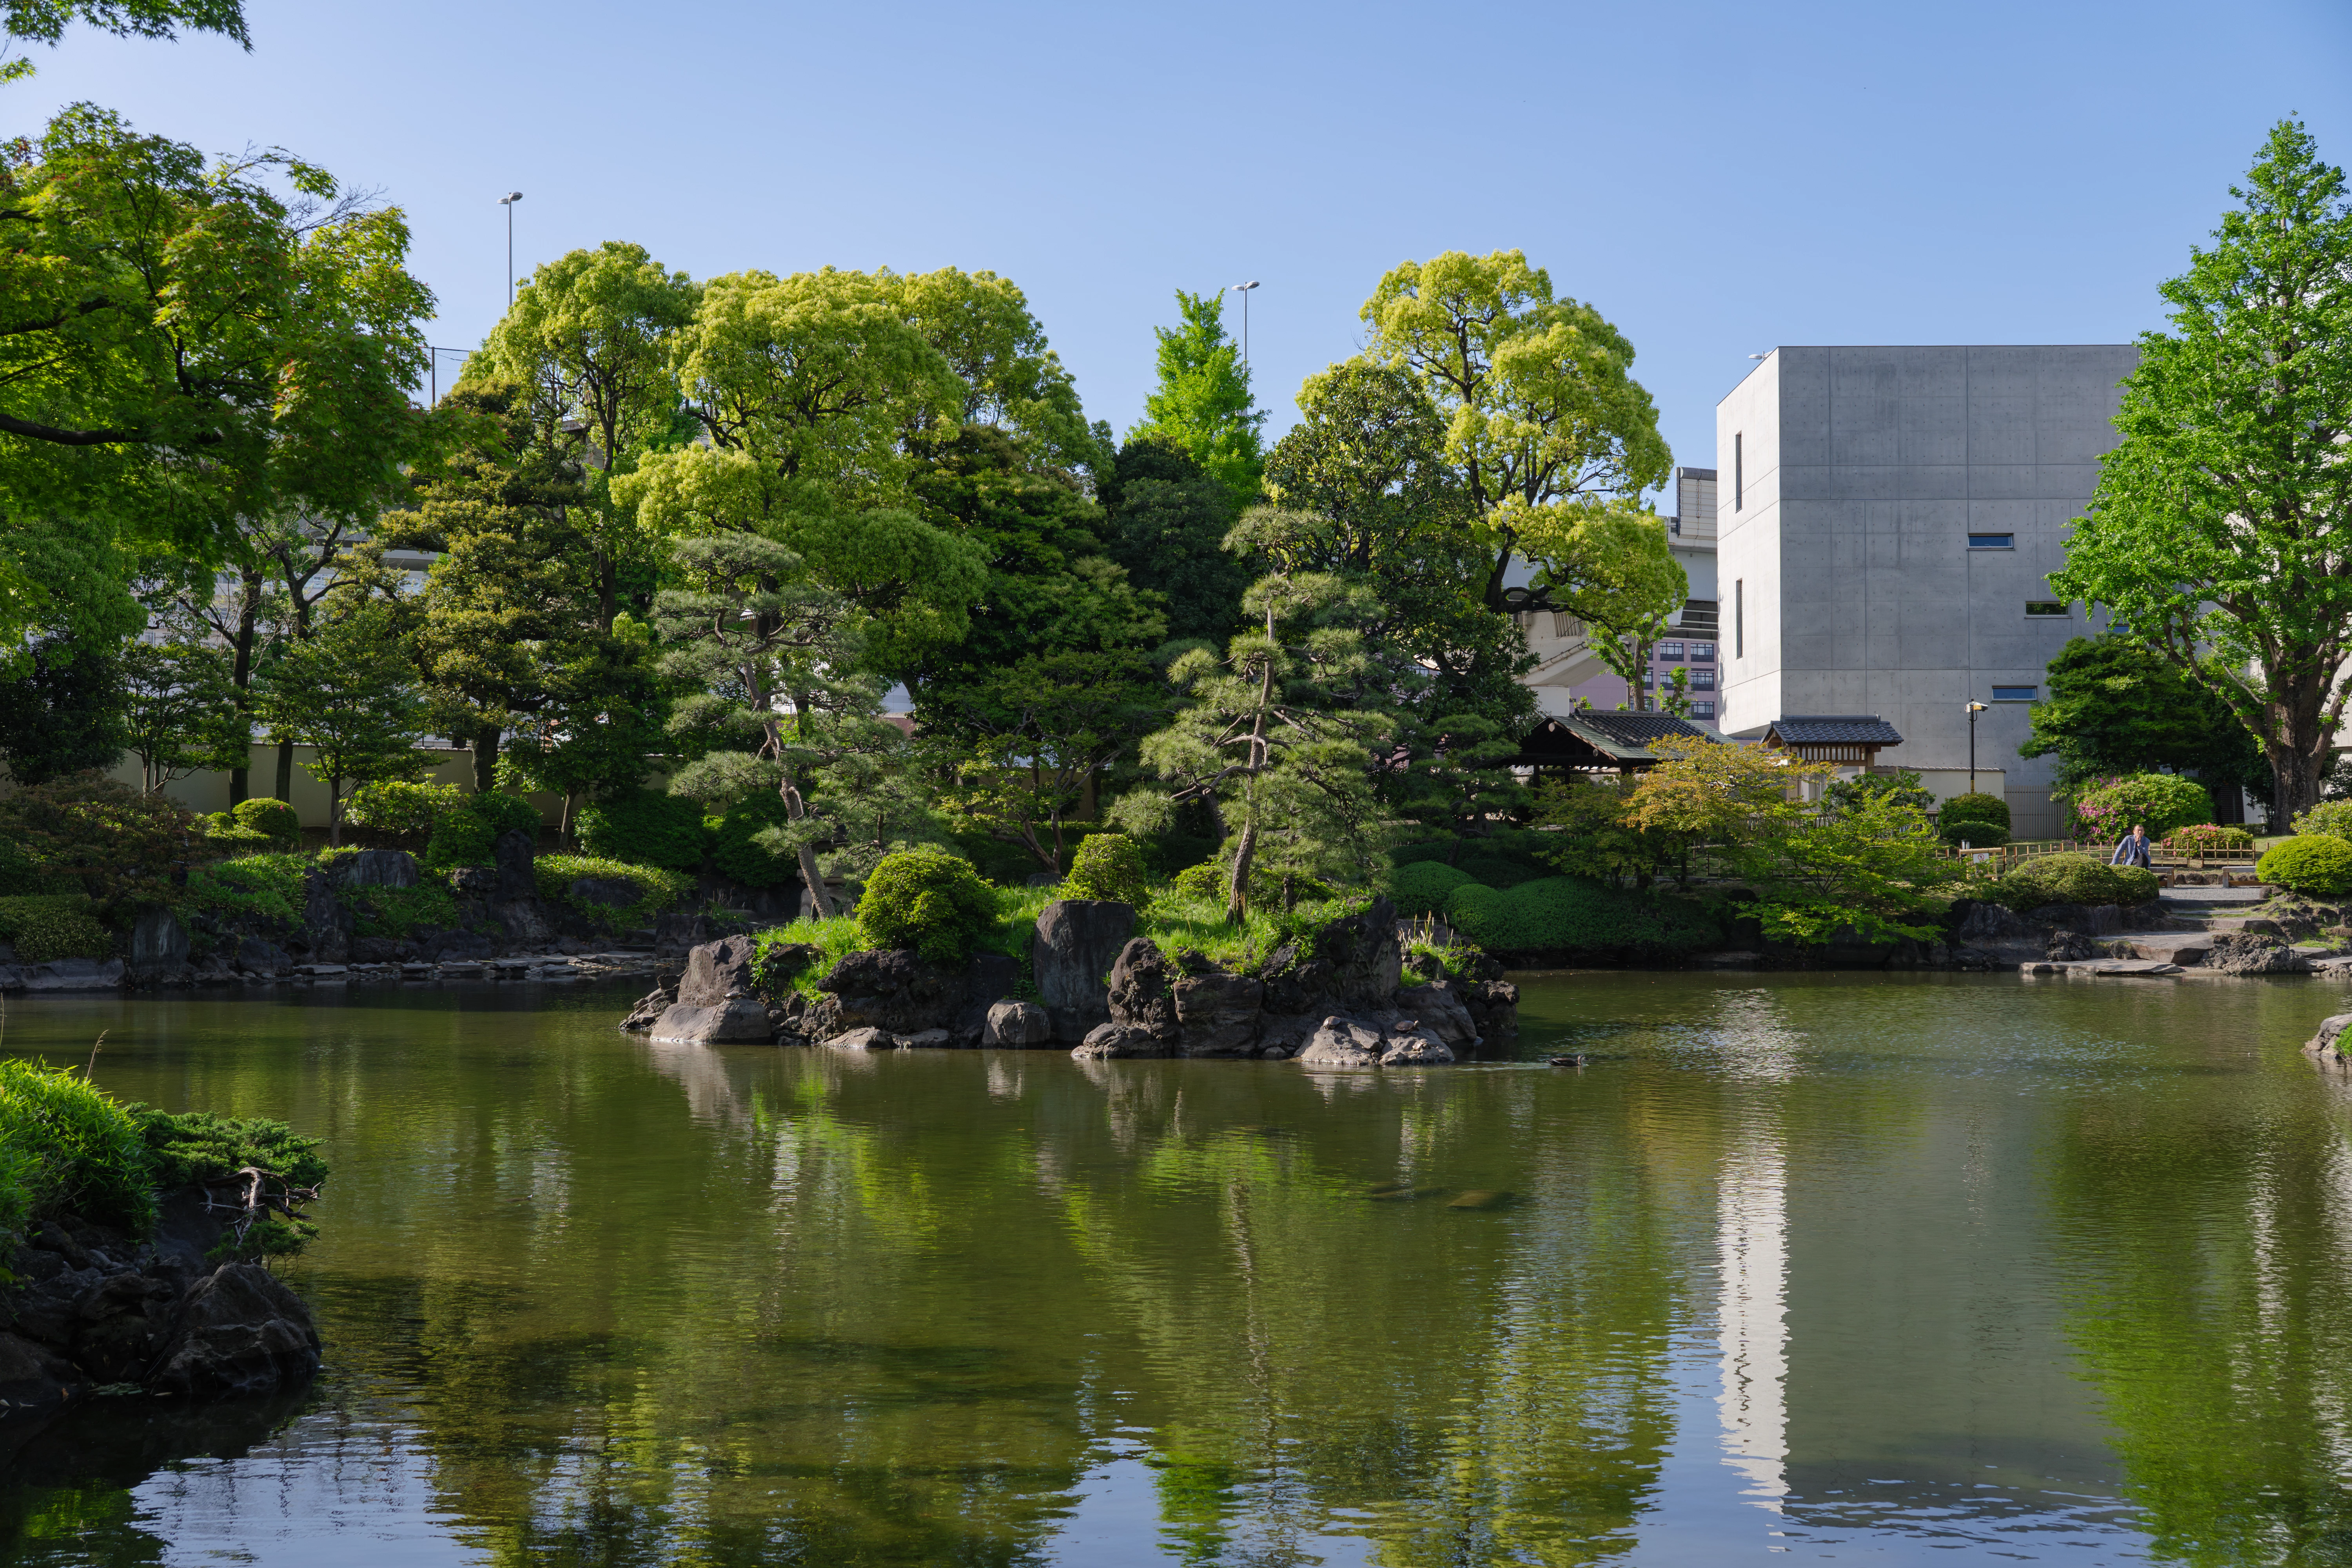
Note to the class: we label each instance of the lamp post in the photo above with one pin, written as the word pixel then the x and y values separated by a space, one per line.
pixel 1974 708
pixel 507 201
pixel 1244 290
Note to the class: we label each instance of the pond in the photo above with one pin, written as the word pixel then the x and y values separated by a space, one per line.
pixel 1907 1268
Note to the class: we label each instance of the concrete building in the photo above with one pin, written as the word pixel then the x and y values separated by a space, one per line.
pixel 1887 521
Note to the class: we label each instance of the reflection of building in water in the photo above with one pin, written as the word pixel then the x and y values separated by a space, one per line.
pixel 1751 1263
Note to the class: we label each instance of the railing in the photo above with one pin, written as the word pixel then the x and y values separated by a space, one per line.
pixel 2002 860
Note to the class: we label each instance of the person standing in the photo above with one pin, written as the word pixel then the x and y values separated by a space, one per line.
pixel 2133 850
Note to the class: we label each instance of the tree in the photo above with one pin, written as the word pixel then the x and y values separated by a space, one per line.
pixel 347 693
pixel 1548 435
pixel 1203 404
pixel 62 710
pixel 182 345
pixel 1262 733
pixel 2220 534
pixel 181 714
pixel 1166 519
pixel 1011 382
pixel 2116 706
pixel 45 21
pixel 1032 737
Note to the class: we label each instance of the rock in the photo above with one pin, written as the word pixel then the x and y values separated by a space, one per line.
pixel 326 920
pixel 898 990
pixel 1442 1012
pixel 613 891
pixel 241 1331
pixel 513 853
pixel 1365 959
pixel 1494 1006
pixel 927 1040
pixel 1412 1047
pixel 718 972
pixel 34 1381
pixel 1218 1014
pixel 375 868
pixel 865 1039
pixel 1141 994
pixel 1015 1024
pixel 649 1012
pixel 675 935
pixel 741 1021
pixel 481 880
pixel 1309 987
pixel 2065 946
pixel 71 974
pixel 2326 1044
pixel 159 945
pixel 2246 952
pixel 987 980
pixel 1108 1041
pixel 525 923
pixel 1078 942
pixel 1340 1042
pixel 126 1321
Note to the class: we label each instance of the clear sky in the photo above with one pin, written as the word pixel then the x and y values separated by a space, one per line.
pixel 1715 178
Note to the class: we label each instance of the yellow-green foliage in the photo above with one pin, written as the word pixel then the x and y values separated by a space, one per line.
pixel 43 929
pixel 1107 866
pixel 67 1147
pixel 2313 863
pixel 929 901
pixel 836 938
pixel 662 889
pixel 266 886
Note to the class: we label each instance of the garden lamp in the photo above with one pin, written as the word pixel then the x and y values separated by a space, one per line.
pixel 1244 290
pixel 1974 708
pixel 507 201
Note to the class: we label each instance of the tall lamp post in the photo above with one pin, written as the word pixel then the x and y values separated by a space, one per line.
pixel 1974 708
pixel 507 201
pixel 1244 290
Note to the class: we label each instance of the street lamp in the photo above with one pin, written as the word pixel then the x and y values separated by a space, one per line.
pixel 1974 708
pixel 507 201
pixel 1244 290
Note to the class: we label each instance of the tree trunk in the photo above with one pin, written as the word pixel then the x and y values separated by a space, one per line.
pixel 286 771
pixel 486 758
pixel 334 812
pixel 240 675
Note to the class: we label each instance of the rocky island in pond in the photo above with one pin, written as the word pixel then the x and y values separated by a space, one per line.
pixel 1337 998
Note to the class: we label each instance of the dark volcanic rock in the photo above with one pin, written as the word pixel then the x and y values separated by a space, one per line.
pixel 675 935
pixel 375 868
pixel 1142 994
pixel 1441 1011
pixel 2246 952
pixel 34 1380
pixel 241 1331
pixel 648 1011
pixel 326 920
pixel 1078 942
pixel 718 971
pixel 742 1021
pixel 2069 947
pixel 1218 1014
pixel 159 945
pixel 1365 959
pixel 513 853
pixel 1108 1041
pixel 1017 1025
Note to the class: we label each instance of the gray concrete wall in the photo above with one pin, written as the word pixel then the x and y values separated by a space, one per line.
pixel 1866 469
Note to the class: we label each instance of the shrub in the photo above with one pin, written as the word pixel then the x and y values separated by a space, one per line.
pixel 268 886
pixel 1500 870
pixel 1107 866
pixel 740 859
pixel 2331 817
pixel 1421 886
pixel 2072 879
pixel 20 877
pixel 401 912
pixel 1974 831
pixel 929 900
pixel 2211 835
pixel 1974 806
pixel 276 821
pixel 74 1151
pixel 659 888
pixel 469 835
pixel 87 832
pixel 1205 880
pixel 401 811
pixel 53 927
pixel 2311 863
pixel 645 827
pixel 2162 801
pixel 1576 915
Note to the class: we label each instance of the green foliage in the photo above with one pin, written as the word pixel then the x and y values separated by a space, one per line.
pixel 1203 404
pixel 19 876
pixel 469 835
pixel 837 938
pixel 662 889
pixel 278 823
pixel 1422 887
pixel 401 912
pixel 645 827
pixel 2072 879
pixel 2162 801
pixel 1974 831
pixel 929 900
pixel 193 1145
pixel 1205 880
pixel 1166 524
pixel 62 706
pixel 117 845
pixel 2207 836
pixel 74 1151
pixel 735 850
pixel 267 886
pixel 181 714
pixel 1976 806
pixel 401 810
pixel 2311 863
pixel 347 691
pixel 1107 866
pixel 2116 706
pixel 2332 817
pixel 1576 916
pixel 57 926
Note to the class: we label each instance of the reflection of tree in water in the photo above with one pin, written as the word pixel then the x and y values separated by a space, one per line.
pixel 2213 1231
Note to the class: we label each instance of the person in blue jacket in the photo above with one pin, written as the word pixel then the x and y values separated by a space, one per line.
pixel 2133 849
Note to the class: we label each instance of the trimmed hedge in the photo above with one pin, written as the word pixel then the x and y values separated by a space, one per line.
pixel 2213 836
pixel 2073 878
pixel 2311 863
pixel 929 900
pixel 661 888
pixel 44 928
pixel 1975 806
pixel 644 827
pixel 1575 915
pixel 1421 886
pixel 1107 866
pixel 401 810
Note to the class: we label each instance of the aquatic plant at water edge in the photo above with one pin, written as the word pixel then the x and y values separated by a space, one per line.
pixel 2313 863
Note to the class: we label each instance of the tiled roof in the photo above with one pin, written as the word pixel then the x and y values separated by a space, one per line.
pixel 1635 728
pixel 1834 728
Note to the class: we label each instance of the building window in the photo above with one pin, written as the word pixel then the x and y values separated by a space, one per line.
pixel 2044 608
pixel 1738 472
pixel 1702 710
pixel 1649 678
pixel 1739 617
pixel 1992 542
pixel 1702 680
pixel 1671 651
pixel 1564 624
pixel 2015 693
pixel 1702 652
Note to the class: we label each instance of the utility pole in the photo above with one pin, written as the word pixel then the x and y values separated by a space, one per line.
pixel 507 201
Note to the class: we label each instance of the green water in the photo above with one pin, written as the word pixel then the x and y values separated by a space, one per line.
pixel 1857 1268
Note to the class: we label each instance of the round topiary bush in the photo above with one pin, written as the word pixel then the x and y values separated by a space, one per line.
pixel 1205 880
pixel 1421 886
pixel 1974 806
pixel 1107 866
pixel 734 850
pixel 469 835
pixel 400 811
pixel 926 899
pixel 2073 878
pixel 273 819
pixel 1974 831
pixel 2332 818
pixel 645 827
pixel 2309 863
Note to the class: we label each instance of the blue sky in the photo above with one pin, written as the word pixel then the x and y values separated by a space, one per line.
pixel 1715 178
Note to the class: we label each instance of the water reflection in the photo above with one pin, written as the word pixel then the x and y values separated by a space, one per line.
pixel 1905 1265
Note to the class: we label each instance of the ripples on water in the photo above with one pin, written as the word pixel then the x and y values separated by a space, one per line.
pixel 1903 1269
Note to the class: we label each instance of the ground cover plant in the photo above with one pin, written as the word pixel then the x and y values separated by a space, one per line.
pixel 659 888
